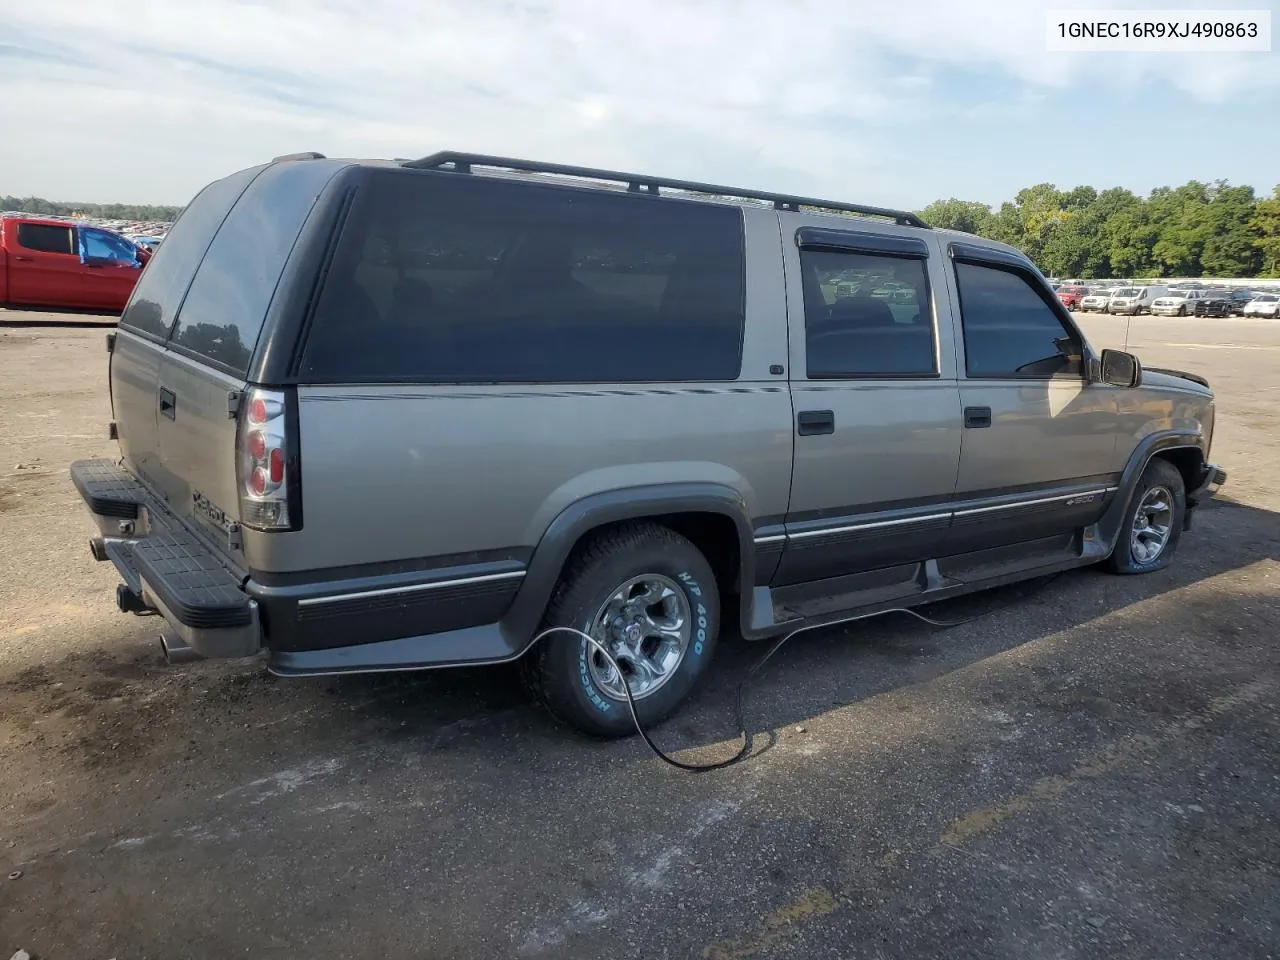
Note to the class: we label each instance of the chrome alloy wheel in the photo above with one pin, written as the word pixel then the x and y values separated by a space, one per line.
pixel 646 627
pixel 1152 524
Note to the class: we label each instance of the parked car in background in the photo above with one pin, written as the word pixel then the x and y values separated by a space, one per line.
pixel 1176 303
pixel 1071 296
pixel 1096 300
pixel 1135 300
pixel 148 243
pixel 1263 305
pixel 1239 300
pixel 1215 303
pixel 46 262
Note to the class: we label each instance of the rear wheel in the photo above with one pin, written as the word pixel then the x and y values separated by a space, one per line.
pixel 649 597
pixel 1152 527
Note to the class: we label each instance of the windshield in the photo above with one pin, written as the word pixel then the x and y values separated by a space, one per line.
pixel 1126 292
pixel 1267 298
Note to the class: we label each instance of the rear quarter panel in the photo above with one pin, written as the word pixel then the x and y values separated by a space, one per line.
pixel 403 473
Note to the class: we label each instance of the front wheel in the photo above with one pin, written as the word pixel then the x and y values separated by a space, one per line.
pixel 649 597
pixel 1153 523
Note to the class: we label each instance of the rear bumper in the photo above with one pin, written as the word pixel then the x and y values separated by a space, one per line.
pixel 441 616
pixel 165 566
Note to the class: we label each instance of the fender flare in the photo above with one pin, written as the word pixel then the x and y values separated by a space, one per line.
pixel 1108 526
pixel 524 615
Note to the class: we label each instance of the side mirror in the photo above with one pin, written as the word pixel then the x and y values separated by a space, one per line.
pixel 1120 369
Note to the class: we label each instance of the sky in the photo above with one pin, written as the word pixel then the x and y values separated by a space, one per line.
pixel 890 102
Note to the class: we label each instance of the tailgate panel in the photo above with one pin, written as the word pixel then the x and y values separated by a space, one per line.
pixel 135 374
pixel 198 447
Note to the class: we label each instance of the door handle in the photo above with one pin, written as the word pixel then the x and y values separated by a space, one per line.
pixel 812 422
pixel 168 403
pixel 976 417
pixel 24 259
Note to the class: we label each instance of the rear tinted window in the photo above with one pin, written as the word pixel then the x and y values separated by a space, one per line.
pixel 446 278
pixel 227 304
pixel 45 238
pixel 164 282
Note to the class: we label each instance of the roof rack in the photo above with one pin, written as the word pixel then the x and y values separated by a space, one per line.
pixel 639 183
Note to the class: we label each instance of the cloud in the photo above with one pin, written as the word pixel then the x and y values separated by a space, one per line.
pixel 801 95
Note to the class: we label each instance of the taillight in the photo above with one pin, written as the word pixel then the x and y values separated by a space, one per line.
pixel 263 456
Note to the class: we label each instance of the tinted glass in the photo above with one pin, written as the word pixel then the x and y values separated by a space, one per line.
pixel 38 236
pixel 446 278
pixel 164 282
pixel 227 304
pixel 866 315
pixel 100 245
pixel 1009 330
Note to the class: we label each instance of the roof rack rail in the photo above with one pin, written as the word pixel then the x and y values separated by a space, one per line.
pixel 305 155
pixel 640 183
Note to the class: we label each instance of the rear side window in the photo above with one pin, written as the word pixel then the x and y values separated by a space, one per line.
pixel 164 282
pixel 45 238
pixel 225 308
pixel 1009 330
pixel 866 315
pixel 449 278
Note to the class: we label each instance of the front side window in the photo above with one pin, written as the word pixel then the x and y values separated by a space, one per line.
pixel 454 279
pixel 866 315
pixel 101 245
pixel 46 238
pixel 1009 329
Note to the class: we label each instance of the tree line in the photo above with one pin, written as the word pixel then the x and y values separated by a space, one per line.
pixel 1197 229
pixel 98 211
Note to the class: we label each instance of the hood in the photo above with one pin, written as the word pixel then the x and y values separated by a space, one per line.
pixel 1175 380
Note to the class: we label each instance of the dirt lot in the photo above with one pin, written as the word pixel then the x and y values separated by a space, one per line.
pixel 1091 770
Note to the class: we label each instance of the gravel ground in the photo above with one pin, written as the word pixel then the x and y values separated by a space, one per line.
pixel 1090 770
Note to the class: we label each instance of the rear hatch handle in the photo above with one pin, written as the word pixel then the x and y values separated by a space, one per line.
pixel 168 403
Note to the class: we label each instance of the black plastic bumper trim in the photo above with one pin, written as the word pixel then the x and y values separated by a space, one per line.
pixel 191 582
pixel 107 488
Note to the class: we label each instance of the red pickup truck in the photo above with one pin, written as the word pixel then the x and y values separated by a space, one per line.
pixel 57 263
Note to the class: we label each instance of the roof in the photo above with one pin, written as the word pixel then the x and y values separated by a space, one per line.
pixel 465 164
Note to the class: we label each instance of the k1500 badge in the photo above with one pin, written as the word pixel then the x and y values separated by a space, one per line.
pixel 210 512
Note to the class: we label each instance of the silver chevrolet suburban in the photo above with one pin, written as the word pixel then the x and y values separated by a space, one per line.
pixel 395 415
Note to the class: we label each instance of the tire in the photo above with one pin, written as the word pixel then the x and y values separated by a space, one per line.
pixel 1182 311
pixel 1160 477
pixel 570 678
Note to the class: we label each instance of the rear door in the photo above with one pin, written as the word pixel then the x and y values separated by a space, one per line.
pixel 148 317
pixel 215 335
pixel 877 410
pixel 44 268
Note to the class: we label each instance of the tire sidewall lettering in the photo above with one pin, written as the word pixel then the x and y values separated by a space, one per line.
pixel 588 685
pixel 700 613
